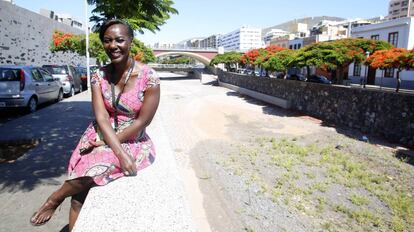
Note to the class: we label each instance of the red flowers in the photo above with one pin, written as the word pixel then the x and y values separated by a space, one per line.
pixel 61 40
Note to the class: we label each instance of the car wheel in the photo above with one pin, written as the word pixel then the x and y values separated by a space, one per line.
pixel 60 96
pixel 72 91
pixel 32 105
pixel 80 88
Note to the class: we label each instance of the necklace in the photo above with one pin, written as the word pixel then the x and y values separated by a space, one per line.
pixel 116 102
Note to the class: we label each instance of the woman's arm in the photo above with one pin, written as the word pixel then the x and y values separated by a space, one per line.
pixel 110 138
pixel 146 113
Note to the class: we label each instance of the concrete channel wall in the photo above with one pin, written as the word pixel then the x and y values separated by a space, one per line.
pixel 26 36
pixel 385 114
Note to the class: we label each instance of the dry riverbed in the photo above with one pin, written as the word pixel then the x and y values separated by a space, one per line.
pixel 264 169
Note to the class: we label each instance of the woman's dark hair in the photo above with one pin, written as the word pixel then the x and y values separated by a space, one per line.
pixel 111 22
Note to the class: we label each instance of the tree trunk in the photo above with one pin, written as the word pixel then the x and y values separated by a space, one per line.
pixel 307 71
pixel 398 81
pixel 340 76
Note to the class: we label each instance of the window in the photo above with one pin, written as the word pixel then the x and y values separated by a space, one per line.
pixel 375 37
pixel 357 70
pixel 299 45
pixel 393 38
pixel 36 75
pixel 290 47
pixel 389 72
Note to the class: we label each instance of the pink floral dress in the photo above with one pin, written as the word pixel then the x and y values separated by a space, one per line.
pixel 100 163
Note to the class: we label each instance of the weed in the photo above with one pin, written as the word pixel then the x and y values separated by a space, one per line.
pixel 321 204
pixel 321 186
pixel 358 199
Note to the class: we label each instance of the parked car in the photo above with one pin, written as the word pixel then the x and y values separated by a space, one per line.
pixel 296 77
pixel 319 79
pixel 68 76
pixel 83 76
pixel 27 86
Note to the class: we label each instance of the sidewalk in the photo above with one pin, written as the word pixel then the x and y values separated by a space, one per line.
pixel 152 201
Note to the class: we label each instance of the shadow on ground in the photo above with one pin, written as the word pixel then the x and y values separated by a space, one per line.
pixel 58 128
pixel 351 133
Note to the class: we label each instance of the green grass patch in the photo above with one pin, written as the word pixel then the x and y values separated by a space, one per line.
pixel 358 200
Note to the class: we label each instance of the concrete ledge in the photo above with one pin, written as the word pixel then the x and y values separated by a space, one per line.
pixel 154 200
pixel 285 104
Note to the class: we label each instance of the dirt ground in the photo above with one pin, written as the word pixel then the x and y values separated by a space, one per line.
pixel 261 168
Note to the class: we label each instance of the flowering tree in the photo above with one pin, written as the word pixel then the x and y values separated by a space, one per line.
pixel 265 54
pixel 398 58
pixel 228 59
pixel 279 61
pixel 249 58
pixel 338 54
pixel 66 42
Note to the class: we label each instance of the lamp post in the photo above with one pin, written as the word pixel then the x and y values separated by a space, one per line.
pixel 87 46
pixel 366 69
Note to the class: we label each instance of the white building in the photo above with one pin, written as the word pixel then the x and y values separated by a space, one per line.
pixel 295 44
pixel 398 32
pixel 400 9
pixel 242 39
pixel 274 33
pixel 63 18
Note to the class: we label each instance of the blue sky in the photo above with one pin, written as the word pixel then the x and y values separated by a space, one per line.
pixel 206 17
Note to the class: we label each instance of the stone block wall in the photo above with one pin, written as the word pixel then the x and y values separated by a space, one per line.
pixel 25 38
pixel 385 114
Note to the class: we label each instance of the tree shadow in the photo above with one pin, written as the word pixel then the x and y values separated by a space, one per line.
pixel 58 127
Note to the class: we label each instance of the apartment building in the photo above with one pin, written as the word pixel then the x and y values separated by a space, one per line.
pixel 400 8
pixel 210 42
pixel 242 39
pixel 272 34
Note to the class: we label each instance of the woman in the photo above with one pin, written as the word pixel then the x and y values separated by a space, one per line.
pixel 125 97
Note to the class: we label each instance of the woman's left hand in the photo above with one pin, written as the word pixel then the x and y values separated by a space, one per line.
pixel 97 144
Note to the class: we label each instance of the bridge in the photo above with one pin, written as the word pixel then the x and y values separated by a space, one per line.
pixel 202 55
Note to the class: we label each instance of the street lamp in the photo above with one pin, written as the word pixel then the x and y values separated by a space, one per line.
pixel 366 69
pixel 87 46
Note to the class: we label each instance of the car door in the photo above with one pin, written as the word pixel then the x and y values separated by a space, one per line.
pixel 40 85
pixel 51 85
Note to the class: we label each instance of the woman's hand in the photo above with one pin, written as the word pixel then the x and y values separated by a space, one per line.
pixel 128 165
pixel 97 144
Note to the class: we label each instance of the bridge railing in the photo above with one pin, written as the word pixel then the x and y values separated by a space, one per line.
pixel 186 49
pixel 175 66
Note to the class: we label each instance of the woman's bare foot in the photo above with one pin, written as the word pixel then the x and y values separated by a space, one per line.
pixel 45 212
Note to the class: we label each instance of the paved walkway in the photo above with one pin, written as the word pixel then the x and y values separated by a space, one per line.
pixel 152 201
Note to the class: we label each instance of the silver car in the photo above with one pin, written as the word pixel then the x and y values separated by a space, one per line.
pixel 68 76
pixel 27 86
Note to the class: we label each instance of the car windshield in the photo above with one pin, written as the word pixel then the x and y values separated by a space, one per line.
pixel 56 69
pixel 9 74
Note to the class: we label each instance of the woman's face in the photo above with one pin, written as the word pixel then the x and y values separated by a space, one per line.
pixel 116 43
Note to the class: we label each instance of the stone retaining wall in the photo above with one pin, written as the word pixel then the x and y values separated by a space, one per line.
pixel 386 114
pixel 25 38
